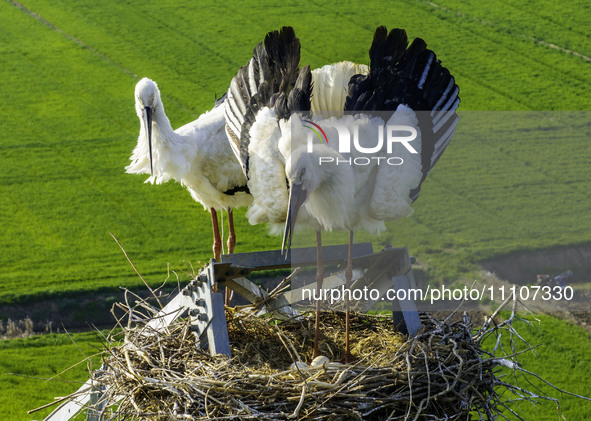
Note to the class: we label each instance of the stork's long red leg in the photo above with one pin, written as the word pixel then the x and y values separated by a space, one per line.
pixel 319 279
pixel 217 241
pixel 231 244
pixel 348 276
pixel 232 235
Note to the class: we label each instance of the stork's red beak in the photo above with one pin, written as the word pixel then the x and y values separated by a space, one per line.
pixel 297 196
pixel 149 129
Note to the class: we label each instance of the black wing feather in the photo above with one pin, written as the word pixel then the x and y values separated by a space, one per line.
pixel 272 78
pixel 414 77
pixel 241 99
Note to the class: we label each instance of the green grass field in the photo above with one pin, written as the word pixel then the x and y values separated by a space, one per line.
pixel 35 370
pixel 563 348
pixel 68 125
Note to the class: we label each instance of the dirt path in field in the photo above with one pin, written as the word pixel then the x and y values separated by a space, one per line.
pixel 521 268
pixel 517 270
pixel 576 311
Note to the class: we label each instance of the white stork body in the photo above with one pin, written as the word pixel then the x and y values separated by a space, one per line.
pixel 267 172
pixel 345 196
pixel 269 150
pixel 197 155
pixel 261 110
pixel 256 93
pixel 409 83
pixel 414 89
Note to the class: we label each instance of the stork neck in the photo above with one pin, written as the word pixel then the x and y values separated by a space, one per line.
pixel 162 131
pixel 331 200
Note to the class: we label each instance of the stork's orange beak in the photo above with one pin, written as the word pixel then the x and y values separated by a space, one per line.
pixel 297 196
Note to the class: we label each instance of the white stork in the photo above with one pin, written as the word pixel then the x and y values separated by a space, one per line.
pixel 400 79
pixel 197 155
pixel 260 101
pixel 408 81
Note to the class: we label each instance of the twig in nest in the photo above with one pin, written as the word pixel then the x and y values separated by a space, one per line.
pixel 136 271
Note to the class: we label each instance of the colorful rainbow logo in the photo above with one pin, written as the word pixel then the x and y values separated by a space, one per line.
pixel 316 131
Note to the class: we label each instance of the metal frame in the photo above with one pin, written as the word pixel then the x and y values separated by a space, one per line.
pixel 205 309
pixel 392 267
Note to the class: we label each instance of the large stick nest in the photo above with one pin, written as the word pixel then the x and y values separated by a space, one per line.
pixel 443 373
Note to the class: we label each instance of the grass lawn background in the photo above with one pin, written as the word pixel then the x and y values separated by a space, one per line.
pixel 68 72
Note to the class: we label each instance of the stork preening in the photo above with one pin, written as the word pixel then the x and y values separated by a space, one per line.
pixel 263 109
pixel 262 99
pixel 409 82
pixel 260 102
pixel 197 155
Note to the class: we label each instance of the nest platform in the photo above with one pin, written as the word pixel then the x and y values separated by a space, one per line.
pixel 441 373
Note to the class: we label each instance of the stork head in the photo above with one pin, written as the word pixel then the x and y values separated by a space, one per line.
pixel 326 189
pixel 303 179
pixel 147 100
